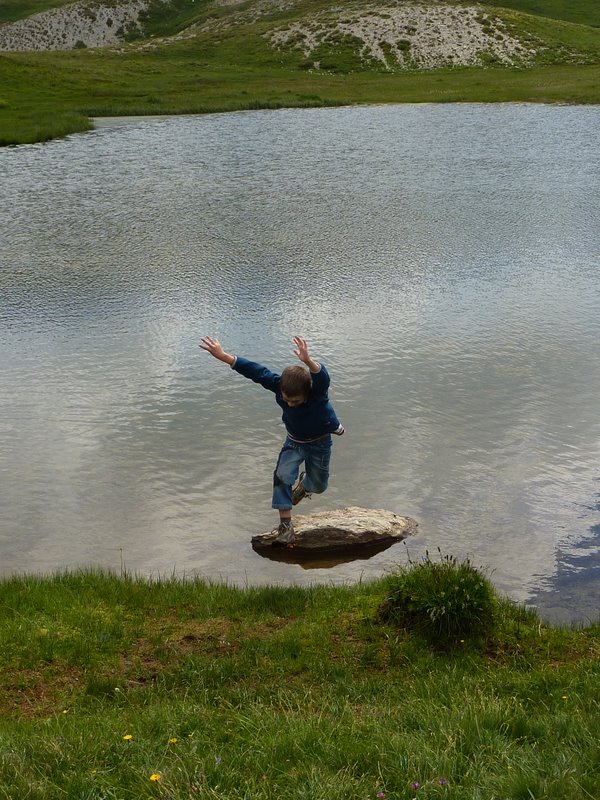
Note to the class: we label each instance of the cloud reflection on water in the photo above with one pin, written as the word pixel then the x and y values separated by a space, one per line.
pixel 441 260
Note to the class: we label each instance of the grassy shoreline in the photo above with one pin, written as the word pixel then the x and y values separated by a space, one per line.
pixel 118 687
pixel 49 95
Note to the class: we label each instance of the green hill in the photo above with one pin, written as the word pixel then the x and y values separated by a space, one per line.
pixel 70 61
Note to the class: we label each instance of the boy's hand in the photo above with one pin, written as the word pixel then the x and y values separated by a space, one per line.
pixel 302 353
pixel 213 346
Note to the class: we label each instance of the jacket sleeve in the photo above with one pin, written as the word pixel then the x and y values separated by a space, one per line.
pixel 257 373
pixel 320 381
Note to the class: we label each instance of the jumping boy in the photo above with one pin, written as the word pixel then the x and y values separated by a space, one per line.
pixel 309 420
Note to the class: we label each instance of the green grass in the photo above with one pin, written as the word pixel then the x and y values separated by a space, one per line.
pixel 45 95
pixel 292 692
pixel 51 94
pixel 447 602
pixel 584 12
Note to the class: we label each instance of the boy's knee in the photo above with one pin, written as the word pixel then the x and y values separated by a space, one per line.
pixel 283 477
pixel 318 485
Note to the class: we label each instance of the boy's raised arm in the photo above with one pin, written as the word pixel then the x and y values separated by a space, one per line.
pixel 213 346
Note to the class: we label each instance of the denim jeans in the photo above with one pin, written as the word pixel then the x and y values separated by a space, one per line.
pixel 315 456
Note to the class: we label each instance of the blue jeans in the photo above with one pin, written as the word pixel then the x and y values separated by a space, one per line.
pixel 316 457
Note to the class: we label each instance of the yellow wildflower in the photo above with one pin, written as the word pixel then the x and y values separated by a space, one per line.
pixel 128 737
pixel 173 740
pixel 155 776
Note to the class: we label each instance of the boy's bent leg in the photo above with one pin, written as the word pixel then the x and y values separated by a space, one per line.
pixel 317 458
pixel 285 476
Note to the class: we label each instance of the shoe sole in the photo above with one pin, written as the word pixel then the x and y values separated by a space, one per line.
pixel 295 491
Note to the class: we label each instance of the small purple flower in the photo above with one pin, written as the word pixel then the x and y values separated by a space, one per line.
pixel 380 795
pixel 443 782
pixel 415 785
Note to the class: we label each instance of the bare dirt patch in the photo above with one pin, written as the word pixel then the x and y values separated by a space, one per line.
pixel 36 693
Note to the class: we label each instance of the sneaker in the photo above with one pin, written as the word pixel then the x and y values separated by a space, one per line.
pixel 285 533
pixel 299 492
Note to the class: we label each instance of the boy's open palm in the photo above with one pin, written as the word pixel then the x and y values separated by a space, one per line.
pixel 213 346
pixel 302 349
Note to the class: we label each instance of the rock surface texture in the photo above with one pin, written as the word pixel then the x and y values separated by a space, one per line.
pixel 343 529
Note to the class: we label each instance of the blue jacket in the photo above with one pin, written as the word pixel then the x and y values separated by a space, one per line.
pixel 312 419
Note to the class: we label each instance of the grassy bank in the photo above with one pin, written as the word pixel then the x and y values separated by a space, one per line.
pixel 53 94
pixel 113 687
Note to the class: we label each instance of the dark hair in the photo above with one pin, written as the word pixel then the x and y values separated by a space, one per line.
pixel 295 381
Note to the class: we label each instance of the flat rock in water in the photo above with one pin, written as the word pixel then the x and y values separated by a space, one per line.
pixel 343 529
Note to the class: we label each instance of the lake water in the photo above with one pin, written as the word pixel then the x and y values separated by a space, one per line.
pixel 443 262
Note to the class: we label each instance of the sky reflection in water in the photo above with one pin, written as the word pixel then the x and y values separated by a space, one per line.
pixel 441 260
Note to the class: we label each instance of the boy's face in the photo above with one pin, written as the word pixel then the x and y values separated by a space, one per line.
pixel 293 401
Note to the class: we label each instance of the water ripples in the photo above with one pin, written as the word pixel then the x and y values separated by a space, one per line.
pixel 441 259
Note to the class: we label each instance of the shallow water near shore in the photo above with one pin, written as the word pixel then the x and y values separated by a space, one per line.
pixel 442 261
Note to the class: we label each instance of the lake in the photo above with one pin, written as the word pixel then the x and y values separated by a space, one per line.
pixel 443 261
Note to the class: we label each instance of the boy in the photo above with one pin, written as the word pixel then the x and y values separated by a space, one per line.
pixel 309 420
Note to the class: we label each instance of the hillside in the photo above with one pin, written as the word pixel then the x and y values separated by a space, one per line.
pixel 364 34
pixel 61 63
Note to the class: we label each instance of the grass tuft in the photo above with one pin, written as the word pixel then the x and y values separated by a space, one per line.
pixel 448 602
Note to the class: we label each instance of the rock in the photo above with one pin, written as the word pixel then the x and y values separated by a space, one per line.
pixel 345 529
